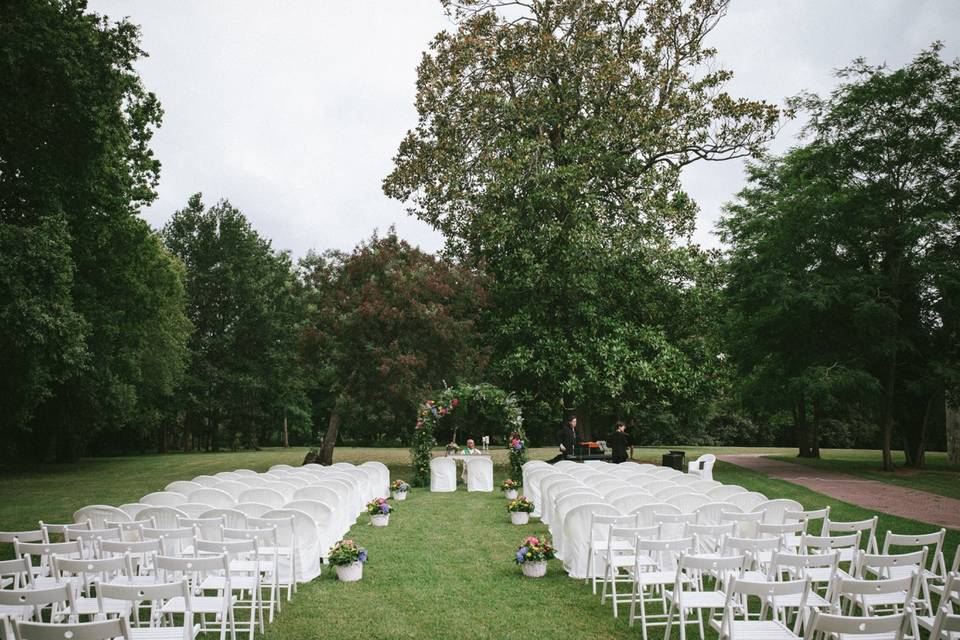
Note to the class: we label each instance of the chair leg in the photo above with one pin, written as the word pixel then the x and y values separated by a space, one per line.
pixel 613 587
pixel 666 632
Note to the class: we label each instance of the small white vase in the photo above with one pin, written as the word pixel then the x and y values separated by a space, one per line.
pixel 399 495
pixel 351 572
pixel 511 494
pixel 380 520
pixel 534 569
pixel 519 517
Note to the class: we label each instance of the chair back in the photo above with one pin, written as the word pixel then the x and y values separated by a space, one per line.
pixel 101 630
pixel 835 625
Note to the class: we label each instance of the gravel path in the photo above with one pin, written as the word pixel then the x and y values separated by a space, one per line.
pixel 870 494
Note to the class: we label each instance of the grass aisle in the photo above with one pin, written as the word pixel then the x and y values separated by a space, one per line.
pixel 443 569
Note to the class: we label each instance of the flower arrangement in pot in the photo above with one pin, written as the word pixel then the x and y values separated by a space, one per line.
pixel 379 510
pixel 532 556
pixel 347 558
pixel 399 489
pixel 520 510
pixel 509 488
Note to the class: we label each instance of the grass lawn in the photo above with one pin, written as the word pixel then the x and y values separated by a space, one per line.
pixel 442 569
pixel 938 477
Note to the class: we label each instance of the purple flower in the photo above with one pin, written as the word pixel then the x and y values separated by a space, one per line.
pixel 521 554
pixel 384 507
pixel 363 555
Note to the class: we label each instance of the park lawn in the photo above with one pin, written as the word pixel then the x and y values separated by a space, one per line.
pixel 442 569
pixel 939 476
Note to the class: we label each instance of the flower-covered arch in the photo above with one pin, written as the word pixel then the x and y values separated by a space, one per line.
pixel 494 403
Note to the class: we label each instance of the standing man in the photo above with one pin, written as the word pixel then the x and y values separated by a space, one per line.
pixel 620 442
pixel 567 438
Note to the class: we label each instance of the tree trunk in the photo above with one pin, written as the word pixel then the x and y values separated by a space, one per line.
pixel 162 444
pixel 802 429
pixel 953 431
pixel 330 440
pixel 818 415
pixel 886 420
pixel 286 433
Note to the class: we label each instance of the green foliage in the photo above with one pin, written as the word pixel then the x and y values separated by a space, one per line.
pixel 244 378
pixel 548 152
pixel 844 257
pixel 520 505
pixel 93 323
pixel 346 552
pixel 386 323
pixel 497 406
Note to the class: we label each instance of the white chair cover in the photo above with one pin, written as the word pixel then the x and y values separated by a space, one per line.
pixel 479 474
pixel 245 472
pixel 550 490
pixel 747 501
pixel 619 492
pixel 775 510
pixel 252 481
pixel 346 511
pixel 531 486
pixel 193 509
pixel 383 488
pixel 164 499
pixel 443 475
pixel 711 513
pixel 227 475
pixel 264 496
pixel 183 486
pixel 562 507
pixel 326 521
pixel 253 509
pixel 356 497
pixel 285 489
pixel 576 536
pixel 688 502
pixel 207 481
pixel 725 491
pixel 99 514
pixel 213 497
pixel 232 518
pixel 132 509
pixel 629 504
pixel 280 466
pixel 164 517
pixel 308 542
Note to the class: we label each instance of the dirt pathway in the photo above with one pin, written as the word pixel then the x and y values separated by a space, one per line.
pixel 870 494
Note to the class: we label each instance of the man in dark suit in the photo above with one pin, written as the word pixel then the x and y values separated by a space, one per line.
pixel 567 438
pixel 620 442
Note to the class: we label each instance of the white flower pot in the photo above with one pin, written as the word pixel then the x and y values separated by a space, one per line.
pixel 519 517
pixel 511 494
pixel 534 569
pixel 351 572
pixel 380 520
pixel 399 495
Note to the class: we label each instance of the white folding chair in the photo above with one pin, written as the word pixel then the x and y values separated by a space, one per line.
pixel 157 626
pixel 101 630
pixel 139 554
pixel 656 576
pixel 30 604
pixel 739 592
pixel 238 579
pixel 880 596
pixel 268 567
pixel 867 529
pixel 620 559
pixel 91 572
pixel 599 539
pixel 688 593
pixel 831 625
pixel 195 570
pixel 286 551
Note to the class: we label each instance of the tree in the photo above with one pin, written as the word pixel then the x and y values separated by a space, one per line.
pixel 75 166
pixel 243 379
pixel 388 323
pixel 549 147
pixel 847 248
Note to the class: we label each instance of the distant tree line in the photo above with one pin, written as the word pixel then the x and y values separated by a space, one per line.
pixel 548 151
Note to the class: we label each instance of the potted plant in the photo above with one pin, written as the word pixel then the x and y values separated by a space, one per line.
pixel 532 556
pixel 509 488
pixel 347 558
pixel 379 510
pixel 520 510
pixel 399 489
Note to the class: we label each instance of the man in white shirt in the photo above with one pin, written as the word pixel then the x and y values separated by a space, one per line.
pixel 471 450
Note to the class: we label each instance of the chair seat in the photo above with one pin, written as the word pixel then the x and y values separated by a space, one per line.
pixel 16 612
pixel 821 575
pixel 884 599
pixel 90 606
pixel 660 577
pixel 814 601
pixel 249 566
pixel 244 583
pixel 700 599
pixel 627 560
pixel 762 630
pixel 201 604
pixel 162 633
pixel 618 545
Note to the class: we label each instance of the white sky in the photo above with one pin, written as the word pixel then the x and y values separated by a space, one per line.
pixel 293 110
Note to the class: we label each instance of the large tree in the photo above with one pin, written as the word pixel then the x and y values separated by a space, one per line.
pixel 549 148
pixel 850 246
pixel 82 272
pixel 388 323
pixel 243 379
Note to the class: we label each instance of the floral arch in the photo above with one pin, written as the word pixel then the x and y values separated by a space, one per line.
pixel 495 404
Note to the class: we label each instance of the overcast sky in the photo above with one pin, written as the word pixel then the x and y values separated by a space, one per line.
pixel 294 110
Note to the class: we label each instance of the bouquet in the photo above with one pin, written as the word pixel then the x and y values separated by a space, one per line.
pixel 520 505
pixel 509 485
pixel 535 549
pixel 346 552
pixel 379 507
pixel 399 485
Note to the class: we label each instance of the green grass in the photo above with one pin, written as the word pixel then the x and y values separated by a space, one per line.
pixel 442 569
pixel 939 477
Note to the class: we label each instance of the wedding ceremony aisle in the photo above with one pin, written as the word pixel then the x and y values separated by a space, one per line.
pixel 443 568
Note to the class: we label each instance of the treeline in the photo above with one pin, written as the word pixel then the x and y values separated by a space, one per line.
pixel 552 167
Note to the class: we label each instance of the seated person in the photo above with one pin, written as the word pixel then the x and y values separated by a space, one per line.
pixel 471 450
